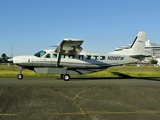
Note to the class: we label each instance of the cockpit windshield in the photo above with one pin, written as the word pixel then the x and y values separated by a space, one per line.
pixel 40 53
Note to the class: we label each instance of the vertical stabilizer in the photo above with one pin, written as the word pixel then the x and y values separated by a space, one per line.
pixel 138 46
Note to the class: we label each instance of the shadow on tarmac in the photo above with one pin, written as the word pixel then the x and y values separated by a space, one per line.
pixel 120 76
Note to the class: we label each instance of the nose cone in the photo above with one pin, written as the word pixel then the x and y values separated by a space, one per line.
pixel 10 60
pixel 22 60
pixel 16 59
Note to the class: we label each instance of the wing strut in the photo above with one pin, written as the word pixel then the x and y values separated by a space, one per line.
pixel 59 54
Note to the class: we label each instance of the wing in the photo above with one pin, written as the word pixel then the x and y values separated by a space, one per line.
pixel 68 46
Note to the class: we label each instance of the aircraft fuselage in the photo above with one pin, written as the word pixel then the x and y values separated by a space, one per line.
pixel 86 61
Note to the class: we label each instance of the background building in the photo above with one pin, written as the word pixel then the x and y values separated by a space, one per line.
pixel 152 49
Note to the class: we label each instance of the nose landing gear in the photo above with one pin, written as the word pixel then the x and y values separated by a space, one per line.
pixel 20 75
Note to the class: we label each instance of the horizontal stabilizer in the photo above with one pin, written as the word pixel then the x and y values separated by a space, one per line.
pixel 137 56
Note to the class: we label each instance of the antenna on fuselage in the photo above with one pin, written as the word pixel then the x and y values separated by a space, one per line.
pixel 11 49
pixel 53 46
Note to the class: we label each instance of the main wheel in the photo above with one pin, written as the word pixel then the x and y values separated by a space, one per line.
pixel 20 76
pixel 62 76
pixel 66 77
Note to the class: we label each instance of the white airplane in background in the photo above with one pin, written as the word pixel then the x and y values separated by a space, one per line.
pixel 68 59
pixel 158 62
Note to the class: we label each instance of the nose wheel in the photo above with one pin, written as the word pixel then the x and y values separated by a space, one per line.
pixel 20 75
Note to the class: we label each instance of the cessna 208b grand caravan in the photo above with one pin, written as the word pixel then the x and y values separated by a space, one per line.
pixel 68 58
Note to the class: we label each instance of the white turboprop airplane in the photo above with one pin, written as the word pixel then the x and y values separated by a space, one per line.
pixel 68 59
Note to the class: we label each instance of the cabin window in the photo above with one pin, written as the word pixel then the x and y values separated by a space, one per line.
pixel 71 56
pixel 102 57
pixel 88 56
pixel 40 53
pixel 48 56
pixel 54 56
pixel 95 57
pixel 62 55
pixel 81 57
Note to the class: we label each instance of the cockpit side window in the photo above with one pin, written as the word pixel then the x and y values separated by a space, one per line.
pixel 40 53
pixel 48 56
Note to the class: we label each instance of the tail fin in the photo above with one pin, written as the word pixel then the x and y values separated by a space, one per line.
pixel 137 48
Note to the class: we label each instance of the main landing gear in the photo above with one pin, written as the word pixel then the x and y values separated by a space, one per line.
pixel 65 77
pixel 20 75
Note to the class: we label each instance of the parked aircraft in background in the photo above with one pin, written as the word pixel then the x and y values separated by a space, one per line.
pixel 68 58
pixel 158 62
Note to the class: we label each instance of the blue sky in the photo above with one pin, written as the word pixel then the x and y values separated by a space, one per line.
pixel 27 26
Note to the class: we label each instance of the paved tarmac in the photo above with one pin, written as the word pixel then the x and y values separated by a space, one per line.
pixel 80 82
pixel 80 99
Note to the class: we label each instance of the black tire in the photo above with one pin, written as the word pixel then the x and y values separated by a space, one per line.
pixel 62 76
pixel 20 76
pixel 66 77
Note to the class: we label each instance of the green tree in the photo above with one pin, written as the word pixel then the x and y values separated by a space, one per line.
pixel 3 58
pixel 154 61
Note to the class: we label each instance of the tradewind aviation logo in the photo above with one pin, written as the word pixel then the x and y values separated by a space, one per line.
pixel 115 58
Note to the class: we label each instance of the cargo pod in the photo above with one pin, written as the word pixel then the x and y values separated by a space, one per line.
pixel 49 70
